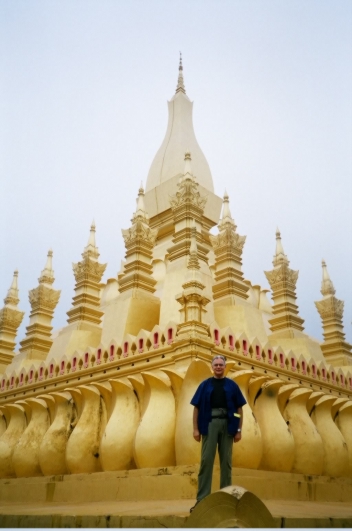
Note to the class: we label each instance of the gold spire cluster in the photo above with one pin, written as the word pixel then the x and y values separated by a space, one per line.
pixel 88 273
pixel 10 320
pixel 330 309
pixel 228 248
pixel 283 281
pixel 43 300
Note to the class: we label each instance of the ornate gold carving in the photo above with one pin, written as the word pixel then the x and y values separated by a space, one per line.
pixel 44 297
pixel 330 308
pixel 140 231
pixel 187 193
pixel 88 268
pixel 282 274
pixel 10 318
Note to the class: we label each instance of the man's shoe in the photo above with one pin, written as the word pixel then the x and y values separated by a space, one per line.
pixel 194 506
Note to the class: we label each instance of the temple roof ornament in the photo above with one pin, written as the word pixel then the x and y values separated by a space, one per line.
pixel 180 84
pixel 179 138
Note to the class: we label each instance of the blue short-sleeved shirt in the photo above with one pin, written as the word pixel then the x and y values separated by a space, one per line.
pixel 201 400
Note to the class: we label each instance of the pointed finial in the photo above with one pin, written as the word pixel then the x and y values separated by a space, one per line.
pixel 91 249
pixel 180 84
pixel 47 275
pixel 226 208
pixel 226 213
pixel 280 257
pixel 327 287
pixel 188 163
pixel 11 298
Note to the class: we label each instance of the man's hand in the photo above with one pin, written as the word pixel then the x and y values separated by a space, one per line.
pixel 237 437
pixel 196 435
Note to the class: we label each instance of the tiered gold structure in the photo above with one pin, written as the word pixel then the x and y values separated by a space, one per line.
pixel 10 319
pixel 43 300
pixel 111 390
pixel 330 309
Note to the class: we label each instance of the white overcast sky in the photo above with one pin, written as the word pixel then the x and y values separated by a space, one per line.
pixel 84 86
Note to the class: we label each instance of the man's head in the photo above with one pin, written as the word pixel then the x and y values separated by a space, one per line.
pixel 218 365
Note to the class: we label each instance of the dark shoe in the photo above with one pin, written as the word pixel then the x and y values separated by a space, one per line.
pixel 194 506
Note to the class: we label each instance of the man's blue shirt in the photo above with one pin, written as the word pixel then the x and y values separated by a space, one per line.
pixel 234 399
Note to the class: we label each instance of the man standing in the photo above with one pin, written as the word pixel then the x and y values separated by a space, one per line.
pixel 217 420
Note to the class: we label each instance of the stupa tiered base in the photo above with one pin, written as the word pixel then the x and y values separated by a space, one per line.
pixel 162 497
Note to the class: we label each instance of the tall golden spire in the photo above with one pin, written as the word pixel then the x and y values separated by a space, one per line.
pixel 43 300
pixel 283 281
pixel 228 248
pixel 336 350
pixel 139 242
pixel 180 84
pixel 10 319
pixel 88 273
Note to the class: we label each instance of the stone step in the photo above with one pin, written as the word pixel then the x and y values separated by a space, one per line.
pixel 169 483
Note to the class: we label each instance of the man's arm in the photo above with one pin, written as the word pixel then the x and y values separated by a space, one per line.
pixel 238 435
pixel 196 434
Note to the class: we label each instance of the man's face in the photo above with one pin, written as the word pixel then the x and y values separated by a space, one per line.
pixel 218 367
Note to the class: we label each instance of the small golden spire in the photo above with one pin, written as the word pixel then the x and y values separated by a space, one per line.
pixel 91 249
pixel 280 257
pixel 327 287
pixel 11 298
pixel 47 275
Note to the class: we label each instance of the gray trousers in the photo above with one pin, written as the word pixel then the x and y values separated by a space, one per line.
pixel 217 437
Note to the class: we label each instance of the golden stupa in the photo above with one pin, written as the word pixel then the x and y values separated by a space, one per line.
pixel 109 393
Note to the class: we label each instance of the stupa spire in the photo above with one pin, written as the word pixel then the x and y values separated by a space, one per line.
pixel 226 213
pixel 335 348
pixel 140 208
pixel 228 248
pixel 139 242
pixel 168 162
pixel 47 275
pixel 43 300
pixel 280 257
pixel 180 84
pixel 283 281
pixel 88 273
pixel 11 298
pixel 10 320
pixel 327 287
pixel 91 249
